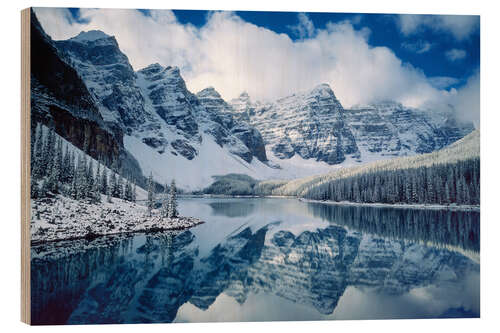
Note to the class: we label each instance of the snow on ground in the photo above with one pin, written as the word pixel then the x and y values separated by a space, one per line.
pixel 192 174
pixel 213 160
pixel 62 218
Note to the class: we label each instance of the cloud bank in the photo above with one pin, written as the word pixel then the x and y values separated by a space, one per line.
pixel 461 27
pixel 234 56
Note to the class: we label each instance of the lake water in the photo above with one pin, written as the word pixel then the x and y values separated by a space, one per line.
pixel 263 260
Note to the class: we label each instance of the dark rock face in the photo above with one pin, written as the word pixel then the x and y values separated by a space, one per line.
pixel 251 137
pixel 58 79
pixel 170 98
pixel 310 124
pixel 107 71
pixel 222 113
pixel 184 148
pixel 60 99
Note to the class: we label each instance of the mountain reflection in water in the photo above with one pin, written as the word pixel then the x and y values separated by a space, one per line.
pixel 267 259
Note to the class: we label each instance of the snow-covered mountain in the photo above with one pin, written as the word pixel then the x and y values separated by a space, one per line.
pixel 389 129
pixel 170 131
pixel 149 122
pixel 311 124
pixel 314 125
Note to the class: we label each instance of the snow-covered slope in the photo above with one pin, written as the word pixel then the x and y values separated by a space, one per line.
pixel 165 126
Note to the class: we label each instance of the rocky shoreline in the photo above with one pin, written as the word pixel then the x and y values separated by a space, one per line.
pixel 62 218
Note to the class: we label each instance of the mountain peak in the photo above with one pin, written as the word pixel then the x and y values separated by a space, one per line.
pixel 208 92
pixel 322 89
pixel 89 36
pixel 151 69
pixel 173 70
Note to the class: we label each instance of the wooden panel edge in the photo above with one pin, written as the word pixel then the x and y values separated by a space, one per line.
pixel 25 165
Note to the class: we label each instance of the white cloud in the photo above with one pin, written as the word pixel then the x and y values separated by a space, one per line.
pixel 455 54
pixel 460 26
pixel 467 100
pixel 419 47
pixel 443 82
pixel 233 55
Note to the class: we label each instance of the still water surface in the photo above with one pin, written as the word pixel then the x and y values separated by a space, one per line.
pixel 267 259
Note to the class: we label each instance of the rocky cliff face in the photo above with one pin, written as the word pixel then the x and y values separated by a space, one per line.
pixel 223 114
pixel 109 76
pixel 60 99
pixel 390 129
pixel 310 124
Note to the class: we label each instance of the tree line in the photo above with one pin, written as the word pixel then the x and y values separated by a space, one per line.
pixel 168 202
pixel 58 170
pixel 457 182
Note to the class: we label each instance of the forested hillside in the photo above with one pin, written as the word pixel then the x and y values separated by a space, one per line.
pixel 437 184
pixel 466 149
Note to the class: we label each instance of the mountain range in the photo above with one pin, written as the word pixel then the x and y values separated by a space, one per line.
pixel 147 121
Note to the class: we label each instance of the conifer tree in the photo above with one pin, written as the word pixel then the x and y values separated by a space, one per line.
pixel 104 181
pixel 34 189
pixel 172 201
pixel 108 195
pixel 119 187
pixel 37 168
pixel 113 185
pixel 151 199
pixel 165 202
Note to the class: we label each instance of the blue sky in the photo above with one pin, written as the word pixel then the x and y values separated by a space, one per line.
pixel 427 61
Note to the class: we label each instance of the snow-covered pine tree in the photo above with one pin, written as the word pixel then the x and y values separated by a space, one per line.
pixel 172 201
pixel 72 165
pixel 95 194
pixel 119 187
pixel 134 193
pixel 151 199
pixel 113 186
pixel 74 187
pixel 66 165
pixel 33 189
pixel 104 181
pixel 59 156
pixel 97 179
pixel 55 174
pixel 81 177
pixel 128 191
pixel 44 190
pixel 37 171
pixel 49 152
pixel 165 202
pixel 108 195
